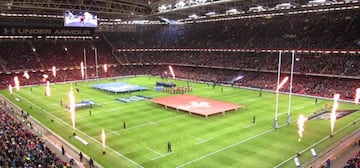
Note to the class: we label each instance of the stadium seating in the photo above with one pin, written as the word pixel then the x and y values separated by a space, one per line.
pixel 353 162
pixel 314 72
pixel 331 30
pixel 20 148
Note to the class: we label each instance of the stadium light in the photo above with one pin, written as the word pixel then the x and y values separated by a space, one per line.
pixel 232 11
pixel 317 2
pixel 200 1
pixel 193 16
pixel 257 9
pixel 180 4
pixel 210 13
pixel 284 6
pixel 162 8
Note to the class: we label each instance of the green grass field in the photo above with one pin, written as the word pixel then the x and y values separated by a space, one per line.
pixel 229 140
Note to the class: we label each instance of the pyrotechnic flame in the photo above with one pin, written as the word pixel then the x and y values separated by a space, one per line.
pixel 10 89
pixel 72 107
pixel 105 68
pixel 103 139
pixel 333 112
pixel 17 83
pixel 282 83
pixel 171 71
pixel 82 70
pixel 54 71
pixel 45 77
pixel 357 96
pixel 47 92
pixel 26 75
pixel 301 123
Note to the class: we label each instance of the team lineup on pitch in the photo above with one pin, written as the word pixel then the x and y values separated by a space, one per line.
pixel 196 142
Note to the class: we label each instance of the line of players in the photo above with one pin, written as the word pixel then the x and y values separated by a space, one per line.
pixel 177 90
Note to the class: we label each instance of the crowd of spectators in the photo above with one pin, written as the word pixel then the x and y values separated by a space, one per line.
pixel 328 64
pixel 323 86
pixel 43 54
pixel 323 30
pixel 21 148
pixel 328 30
pixel 353 162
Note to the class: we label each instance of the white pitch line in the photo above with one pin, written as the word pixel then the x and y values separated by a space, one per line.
pixel 224 148
pixel 129 128
pixel 114 132
pixel 165 119
pixel 163 155
pixel 203 141
pixel 147 123
pixel 153 123
pixel 299 108
pixel 59 111
pixel 152 150
pixel 197 138
pixel 280 114
pixel 250 125
pixel 318 142
pixel 121 155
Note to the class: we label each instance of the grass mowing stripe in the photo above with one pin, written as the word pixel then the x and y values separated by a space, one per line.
pixel 325 138
pixel 228 147
pixel 224 148
pixel 121 155
pixel 219 130
pixel 152 150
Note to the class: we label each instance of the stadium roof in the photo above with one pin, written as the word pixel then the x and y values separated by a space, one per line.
pixel 134 9
pixel 126 10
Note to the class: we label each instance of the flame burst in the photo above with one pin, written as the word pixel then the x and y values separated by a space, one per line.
pixel 172 71
pixel 282 83
pixel 357 96
pixel 301 123
pixel 105 68
pixel 82 70
pixel 72 107
pixel 26 75
pixel 333 112
pixel 47 92
pixel 10 89
pixel 54 71
pixel 17 83
pixel 103 139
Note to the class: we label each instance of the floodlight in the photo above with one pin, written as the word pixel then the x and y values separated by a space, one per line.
pixel 284 6
pixel 162 8
pixel 256 9
pixel 180 4
pixel 194 16
pixel 200 1
pixel 317 2
pixel 210 13
pixel 232 11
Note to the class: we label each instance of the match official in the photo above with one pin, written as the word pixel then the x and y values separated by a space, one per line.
pixel 169 147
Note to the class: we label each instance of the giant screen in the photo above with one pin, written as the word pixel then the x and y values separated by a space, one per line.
pixel 80 19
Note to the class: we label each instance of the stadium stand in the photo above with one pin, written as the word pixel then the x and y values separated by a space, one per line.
pixel 316 74
pixel 353 162
pixel 21 148
pixel 331 30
